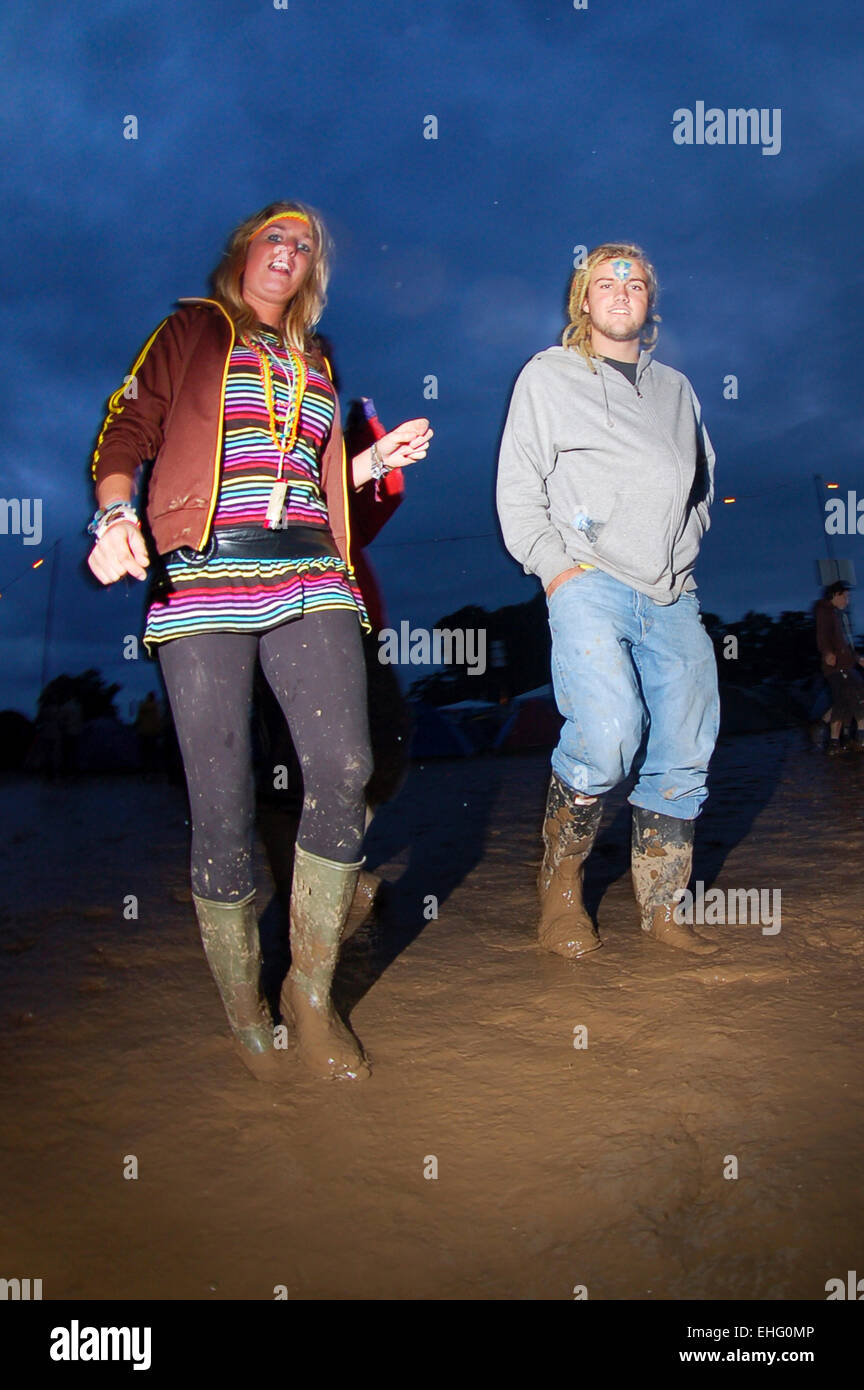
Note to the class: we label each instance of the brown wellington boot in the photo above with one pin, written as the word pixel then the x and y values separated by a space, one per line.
pixel 321 897
pixel 569 832
pixel 661 860
pixel 229 934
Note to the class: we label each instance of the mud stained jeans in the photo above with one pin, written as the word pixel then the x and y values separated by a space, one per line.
pixel 621 664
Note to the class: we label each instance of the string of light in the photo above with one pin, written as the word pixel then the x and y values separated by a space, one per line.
pixel 775 487
pixel 34 565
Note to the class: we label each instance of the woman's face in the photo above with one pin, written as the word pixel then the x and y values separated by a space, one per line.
pixel 277 263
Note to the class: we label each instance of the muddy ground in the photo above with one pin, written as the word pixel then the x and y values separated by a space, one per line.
pixel 556 1166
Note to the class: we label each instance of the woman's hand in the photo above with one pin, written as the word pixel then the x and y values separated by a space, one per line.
pixel 120 551
pixel 408 443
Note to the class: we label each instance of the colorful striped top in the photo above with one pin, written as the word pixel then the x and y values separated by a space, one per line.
pixel 232 595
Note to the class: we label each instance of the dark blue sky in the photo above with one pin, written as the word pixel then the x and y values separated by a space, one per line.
pixel 452 256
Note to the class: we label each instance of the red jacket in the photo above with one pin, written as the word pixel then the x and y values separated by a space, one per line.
pixel 831 639
pixel 369 508
pixel 173 413
pixel 368 514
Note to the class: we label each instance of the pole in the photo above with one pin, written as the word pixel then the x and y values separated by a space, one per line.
pixel 49 613
pixel 820 502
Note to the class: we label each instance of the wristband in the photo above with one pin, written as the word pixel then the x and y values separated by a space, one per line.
pixel 118 511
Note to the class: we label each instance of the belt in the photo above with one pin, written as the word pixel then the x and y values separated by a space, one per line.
pixel 257 543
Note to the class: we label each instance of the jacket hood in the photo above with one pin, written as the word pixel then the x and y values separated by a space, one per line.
pixel 577 362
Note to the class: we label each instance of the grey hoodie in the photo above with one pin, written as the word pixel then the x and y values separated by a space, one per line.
pixel 592 469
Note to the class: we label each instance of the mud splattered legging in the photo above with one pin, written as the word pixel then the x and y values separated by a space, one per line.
pixel 315 668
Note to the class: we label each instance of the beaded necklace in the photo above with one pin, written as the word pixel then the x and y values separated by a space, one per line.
pixel 295 376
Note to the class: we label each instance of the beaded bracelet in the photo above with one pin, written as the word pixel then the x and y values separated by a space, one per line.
pixel 117 511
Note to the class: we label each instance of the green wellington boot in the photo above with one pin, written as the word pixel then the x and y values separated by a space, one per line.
pixel 229 933
pixel 661 861
pixel 569 831
pixel 321 897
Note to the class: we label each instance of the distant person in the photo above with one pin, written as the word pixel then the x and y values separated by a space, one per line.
pixel 604 484
pixel 248 511
pixel 840 666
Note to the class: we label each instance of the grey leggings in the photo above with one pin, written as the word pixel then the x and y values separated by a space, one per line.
pixel 315 668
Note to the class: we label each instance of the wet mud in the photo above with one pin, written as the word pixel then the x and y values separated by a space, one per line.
pixel 486 1156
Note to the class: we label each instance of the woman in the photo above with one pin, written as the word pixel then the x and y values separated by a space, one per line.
pixel 247 506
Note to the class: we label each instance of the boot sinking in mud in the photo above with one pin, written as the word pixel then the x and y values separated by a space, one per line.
pixel 569 831
pixel 321 897
pixel 661 861
pixel 229 935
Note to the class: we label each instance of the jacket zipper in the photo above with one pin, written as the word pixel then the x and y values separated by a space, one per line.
pixel 678 469
pixel 344 487
pixel 214 487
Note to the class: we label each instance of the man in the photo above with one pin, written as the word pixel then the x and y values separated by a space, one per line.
pixel 839 662
pixel 604 484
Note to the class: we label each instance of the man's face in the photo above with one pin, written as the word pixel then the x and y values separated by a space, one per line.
pixel 840 600
pixel 617 299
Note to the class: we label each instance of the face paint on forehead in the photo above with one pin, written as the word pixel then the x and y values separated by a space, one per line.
pixel 621 269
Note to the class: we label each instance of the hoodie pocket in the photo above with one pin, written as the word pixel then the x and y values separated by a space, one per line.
pixel 632 537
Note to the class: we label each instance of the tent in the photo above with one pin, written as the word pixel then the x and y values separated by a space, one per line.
pixel 479 721
pixel 532 721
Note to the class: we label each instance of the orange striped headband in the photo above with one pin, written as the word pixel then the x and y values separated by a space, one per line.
pixel 281 217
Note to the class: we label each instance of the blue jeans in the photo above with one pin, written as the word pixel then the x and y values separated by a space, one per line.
pixel 620 662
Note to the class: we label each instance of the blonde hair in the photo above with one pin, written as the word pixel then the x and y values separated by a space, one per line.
pixel 304 311
pixel 577 334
